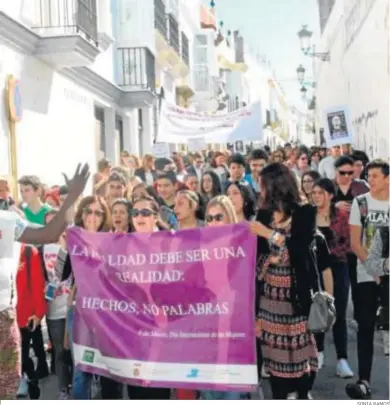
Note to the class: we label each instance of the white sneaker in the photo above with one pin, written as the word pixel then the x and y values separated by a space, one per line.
pixel 385 339
pixel 343 370
pixel 292 395
pixel 321 358
pixel 264 373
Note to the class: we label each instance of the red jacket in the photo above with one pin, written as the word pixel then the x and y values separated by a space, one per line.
pixel 30 289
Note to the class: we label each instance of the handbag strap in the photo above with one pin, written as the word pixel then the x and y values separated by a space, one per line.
pixel 313 250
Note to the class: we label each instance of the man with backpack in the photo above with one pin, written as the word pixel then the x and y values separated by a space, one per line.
pixel 369 212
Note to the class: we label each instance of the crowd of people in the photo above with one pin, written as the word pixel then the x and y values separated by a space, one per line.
pixel 321 217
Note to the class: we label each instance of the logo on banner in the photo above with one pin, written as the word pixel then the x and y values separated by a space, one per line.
pixel 194 373
pixel 88 356
pixel 137 370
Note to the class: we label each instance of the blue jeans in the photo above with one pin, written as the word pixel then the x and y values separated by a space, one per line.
pixel 221 395
pixel 82 381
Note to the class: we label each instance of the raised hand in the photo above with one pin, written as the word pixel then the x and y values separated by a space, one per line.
pixel 77 184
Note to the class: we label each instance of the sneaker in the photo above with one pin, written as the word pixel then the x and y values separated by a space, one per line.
pixel 310 396
pixel 64 395
pixel 359 390
pixel 34 392
pixel 385 339
pixel 292 396
pixel 264 373
pixel 320 357
pixel 343 370
pixel 23 388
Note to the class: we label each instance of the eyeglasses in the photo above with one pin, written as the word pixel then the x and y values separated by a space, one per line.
pixel 308 181
pixel 145 212
pixel 303 158
pixel 217 218
pixel 96 213
pixel 344 173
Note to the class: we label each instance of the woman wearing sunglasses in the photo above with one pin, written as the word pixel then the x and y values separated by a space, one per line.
pixel 220 211
pixel 145 218
pixel 92 215
pixel 121 216
pixel 334 225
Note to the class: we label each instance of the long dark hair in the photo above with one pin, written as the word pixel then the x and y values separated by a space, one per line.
pixel 327 185
pixel 315 176
pixel 247 197
pixel 279 189
pixel 217 187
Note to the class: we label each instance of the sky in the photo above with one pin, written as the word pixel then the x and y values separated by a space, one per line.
pixel 271 27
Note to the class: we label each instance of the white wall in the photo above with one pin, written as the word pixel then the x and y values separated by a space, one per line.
pixel 136 23
pixel 57 129
pixel 358 74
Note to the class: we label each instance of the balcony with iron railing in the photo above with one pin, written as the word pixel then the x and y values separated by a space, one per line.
pixel 185 49
pixel 173 33
pixel 66 18
pixel 160 18
pixel 136 69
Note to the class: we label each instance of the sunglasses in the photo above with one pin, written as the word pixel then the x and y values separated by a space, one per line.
pixel 96 213
pixel 211 218
pixel 145 212
pixel 343 173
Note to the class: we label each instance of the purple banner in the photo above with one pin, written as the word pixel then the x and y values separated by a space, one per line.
pixel 167 309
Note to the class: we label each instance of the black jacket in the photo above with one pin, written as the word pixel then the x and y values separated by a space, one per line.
pixel 301 249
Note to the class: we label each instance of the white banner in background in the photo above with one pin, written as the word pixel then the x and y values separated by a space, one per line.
pixel 196 144
pixel 338 126
pixel 161 150
pixel 177 125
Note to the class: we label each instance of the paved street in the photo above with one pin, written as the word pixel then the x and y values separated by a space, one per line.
pixel 327 385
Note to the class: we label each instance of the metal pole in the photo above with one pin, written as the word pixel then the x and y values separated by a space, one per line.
pixel 12 136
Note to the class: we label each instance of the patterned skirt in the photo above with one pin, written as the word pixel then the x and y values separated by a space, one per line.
pixel 288 349
pixel 10 355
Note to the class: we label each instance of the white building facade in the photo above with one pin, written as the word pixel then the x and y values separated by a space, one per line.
pixel 89 77
pixel 357 35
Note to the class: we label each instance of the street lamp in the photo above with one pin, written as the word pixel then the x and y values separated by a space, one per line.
pixel 305 37
pixel 307 48
pixel 301 78
pixel 303 92
pixel 301 73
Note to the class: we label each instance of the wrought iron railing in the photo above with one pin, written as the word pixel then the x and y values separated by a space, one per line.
pixel 160 18
pixel 136 68
pixel 173 33
pixel 185 49
pixel 67 17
